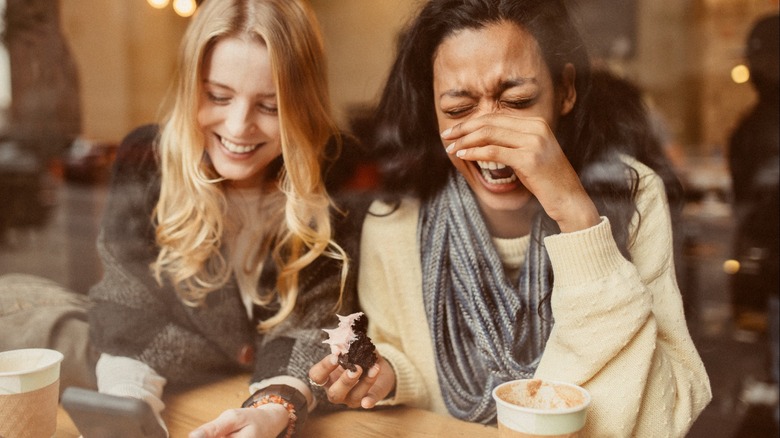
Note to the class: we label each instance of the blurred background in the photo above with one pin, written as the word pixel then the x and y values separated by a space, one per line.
pixel 77 75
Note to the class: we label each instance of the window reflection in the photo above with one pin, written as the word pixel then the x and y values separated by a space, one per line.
pixel 5 76
pixel 76 76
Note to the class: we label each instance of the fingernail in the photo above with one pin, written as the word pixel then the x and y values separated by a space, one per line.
pixel 460 153
pixel 197 434
pixel 450 147
pixel 373 371
pixel 446 132
pixel 352 374
pixel 334 359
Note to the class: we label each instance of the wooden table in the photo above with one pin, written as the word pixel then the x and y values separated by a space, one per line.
pixel 189 409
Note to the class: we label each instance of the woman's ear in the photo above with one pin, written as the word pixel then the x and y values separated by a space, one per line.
pixel 568 94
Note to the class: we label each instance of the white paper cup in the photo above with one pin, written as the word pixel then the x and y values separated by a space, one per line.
pixel 558 410
pixel 29 392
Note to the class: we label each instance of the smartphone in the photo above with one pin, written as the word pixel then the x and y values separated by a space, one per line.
pixel 99 415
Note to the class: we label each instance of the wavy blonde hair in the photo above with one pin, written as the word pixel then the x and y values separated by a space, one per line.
pixel 190 216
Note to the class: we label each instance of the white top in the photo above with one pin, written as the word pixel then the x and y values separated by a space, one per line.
pixel 619 327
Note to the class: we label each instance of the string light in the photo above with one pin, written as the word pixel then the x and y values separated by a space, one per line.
pixel 158 4
pixel 740 74
pixel 731 266
pixel 185 8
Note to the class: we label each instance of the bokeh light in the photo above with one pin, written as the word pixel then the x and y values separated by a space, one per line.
pixel 185 8
pixel 158 4
pixel 740 74
pixel 731 266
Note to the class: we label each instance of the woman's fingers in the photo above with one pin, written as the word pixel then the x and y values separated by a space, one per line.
pixel 265 421
pixel 530 148
pixel 226 423
pixel 525 144
pixel 362 388
pixel 340 390
pixel 319 373
pixel 494 129
pixel 357 388
pixel 383 384
pixel 337 382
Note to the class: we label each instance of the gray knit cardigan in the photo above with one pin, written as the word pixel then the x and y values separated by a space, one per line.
pixel 134 317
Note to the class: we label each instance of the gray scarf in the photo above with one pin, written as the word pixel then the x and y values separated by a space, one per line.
pixel 486 328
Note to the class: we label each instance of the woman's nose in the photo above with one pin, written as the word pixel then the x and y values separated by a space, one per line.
pixel 239 120
pixel 487 107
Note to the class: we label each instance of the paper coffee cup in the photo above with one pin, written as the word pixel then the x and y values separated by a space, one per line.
pixel 530 408
pixel 29 392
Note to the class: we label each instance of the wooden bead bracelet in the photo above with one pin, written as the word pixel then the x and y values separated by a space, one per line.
pixel 290 398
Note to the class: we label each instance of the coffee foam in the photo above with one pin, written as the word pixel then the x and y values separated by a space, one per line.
pixel 538 394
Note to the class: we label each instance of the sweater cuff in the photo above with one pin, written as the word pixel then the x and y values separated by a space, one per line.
pixel 127 377
pixel 583 255
pixel 294 382
pixel 408 390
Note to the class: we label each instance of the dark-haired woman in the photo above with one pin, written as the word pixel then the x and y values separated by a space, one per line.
pixel 530 234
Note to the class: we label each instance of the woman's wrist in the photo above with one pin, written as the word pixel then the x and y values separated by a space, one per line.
pixel 286 396
pixel 580 217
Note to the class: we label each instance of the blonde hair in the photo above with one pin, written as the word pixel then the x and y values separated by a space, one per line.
pixel 190 214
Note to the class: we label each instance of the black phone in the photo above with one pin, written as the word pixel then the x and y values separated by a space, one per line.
pixel 99 415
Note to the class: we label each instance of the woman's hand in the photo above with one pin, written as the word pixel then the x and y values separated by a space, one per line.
pixel 347 388
pixel 529 147
pixel 263 421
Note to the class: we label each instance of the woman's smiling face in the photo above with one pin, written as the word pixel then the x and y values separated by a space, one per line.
pixel 238 110
pixel 495 69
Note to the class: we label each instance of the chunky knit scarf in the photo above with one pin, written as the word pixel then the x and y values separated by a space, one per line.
pixel 486 328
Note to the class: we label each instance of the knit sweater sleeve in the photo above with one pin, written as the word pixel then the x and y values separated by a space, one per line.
pixel 292 347
pixel 393 303
pixel 132 316
pixel 619 327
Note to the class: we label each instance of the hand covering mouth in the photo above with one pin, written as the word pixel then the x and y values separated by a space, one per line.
pixel 237 148
pixel 496 173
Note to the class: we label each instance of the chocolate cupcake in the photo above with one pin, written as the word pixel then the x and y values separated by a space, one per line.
pixel 351 342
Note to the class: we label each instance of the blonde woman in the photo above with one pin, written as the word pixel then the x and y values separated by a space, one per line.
pixel 218 256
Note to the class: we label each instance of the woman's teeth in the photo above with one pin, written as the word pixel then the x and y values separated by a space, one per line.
pixel 496 173
pixel 236 148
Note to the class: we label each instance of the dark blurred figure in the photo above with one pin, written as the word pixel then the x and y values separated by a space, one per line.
pixel 753 161
pixel 44 114
pixel 27 195
pixel 754 164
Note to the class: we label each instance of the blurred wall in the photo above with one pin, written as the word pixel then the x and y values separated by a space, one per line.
pixel 125 51
pixel 684 53
pixel 722 28
pixel 360 37
pixel 686 50
pixel 44 113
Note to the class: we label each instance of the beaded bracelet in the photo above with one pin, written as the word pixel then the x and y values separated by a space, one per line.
pixel 290 398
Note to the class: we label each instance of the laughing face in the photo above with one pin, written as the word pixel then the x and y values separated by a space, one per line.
pixel 495 69
pixel 238 111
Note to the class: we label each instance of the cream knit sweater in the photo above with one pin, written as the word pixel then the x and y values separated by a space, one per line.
pixel 619 328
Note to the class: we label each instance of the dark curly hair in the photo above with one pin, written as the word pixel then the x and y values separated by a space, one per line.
pixel 605 120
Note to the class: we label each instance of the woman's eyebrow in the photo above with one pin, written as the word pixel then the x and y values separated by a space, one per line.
pixel 515 82
pixel 502 86
pixel 455 92
pixel 217 84
pixel 228 88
